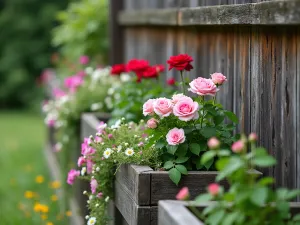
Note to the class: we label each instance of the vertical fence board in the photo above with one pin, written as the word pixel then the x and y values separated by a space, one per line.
pixel 298 109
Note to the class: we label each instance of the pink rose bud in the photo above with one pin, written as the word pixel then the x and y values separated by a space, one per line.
pixel 183 194
pixel 110 136
pixel 213 143
pixel 213 189
pixel 152 123
pixel 81 161
pixel 84 60
pixel 175 136
pixel 100 195
pixel 218 78
pixel 252 137
pixel 238 146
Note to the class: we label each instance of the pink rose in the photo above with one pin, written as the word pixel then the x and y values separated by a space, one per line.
pixel 202 86
pixel 81 161
pixel 89 166
pixel 94 185
pixel 213 143
pixel 72 176
pixel 175 136
pixel 213 189
pixel 238 146
pixel 183 194
pixel 148 107
pixel 176 98
pixel 218 78
pixel 152 123
pixel 83 60
pixel 100 195
pixel 163 107
pixel 252 137
pixel 186 109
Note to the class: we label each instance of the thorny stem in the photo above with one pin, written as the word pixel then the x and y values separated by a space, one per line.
pixel 182 82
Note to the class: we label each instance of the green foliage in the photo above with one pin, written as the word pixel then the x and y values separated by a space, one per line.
pixel 250 200
pixel 25 48
pixel 83 30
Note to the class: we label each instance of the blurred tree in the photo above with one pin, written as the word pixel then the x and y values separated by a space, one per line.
pixel 25 36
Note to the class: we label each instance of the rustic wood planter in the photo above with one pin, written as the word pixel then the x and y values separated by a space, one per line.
pixel 176 213
pixel 139 188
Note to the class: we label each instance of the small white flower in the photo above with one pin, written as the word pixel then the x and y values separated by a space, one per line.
pixel 119 148
pixel 92 221
pixel 126 144
pixel 116 125
pixel 135 136
pixel 89 70
pixel 106 199
pixel 102 143
pixel 84 192
pixel 142 121
pixel 129 152
pixel 124 77
pixel 91 197
pixel 88 201
pixel 107 153
pixel 117 96
pixel 111 91
pixel 93 171
pixel 98 134
pixel 97 205
pixel 96 106
pixel 108 102
pixel 123 118
pixel 146 139
pixel 83 171
pixel 97 169
pixel 93 177
pixel 102 126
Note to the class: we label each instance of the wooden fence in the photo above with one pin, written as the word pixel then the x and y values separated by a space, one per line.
pixel 256 45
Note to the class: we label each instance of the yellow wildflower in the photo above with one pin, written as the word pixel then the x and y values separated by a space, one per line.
pixel 40 208
pixel 39 179
pixel 69 213
pixel 54 198
pixel 55 184
pixel 49 223
pixel 29 194
pixel 44 217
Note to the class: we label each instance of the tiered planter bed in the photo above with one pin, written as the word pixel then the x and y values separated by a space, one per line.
pixel 177 213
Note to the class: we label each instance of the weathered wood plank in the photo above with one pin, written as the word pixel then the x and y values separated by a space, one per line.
pixel 264 13
pixel 135 182
pixel 298 110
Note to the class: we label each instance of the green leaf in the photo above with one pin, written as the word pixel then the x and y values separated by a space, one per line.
pixel 266 181
pixel 231 116
pixel 175 175
pixel 221 163
pixel 182 149
pixel 292 194
pixel 216 217
pixel 168 165
pixel 208 132
pixel 264 161
pixel 224 152
pixel 160 143
pixel 233 165
pixel 218 119
pixel 230 218
pixel 182 169
pixel 181 159
pixel 195 148
pixel 296 218
pixel 203 198
pixel 172 149
pixel 207 156
pixel 259 196
pixel 208 164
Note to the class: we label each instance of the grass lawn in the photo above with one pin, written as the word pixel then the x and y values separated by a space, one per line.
pixel 23 168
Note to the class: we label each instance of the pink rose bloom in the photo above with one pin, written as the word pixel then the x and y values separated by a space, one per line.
pixel 152 123
pixel 57 93
pixel 218 78
pixel 175 136
pixel 73 82
pixel 186 109
pixel 83 60
pixel 84 146
pixel 51 123
pixel 100 195
pixel 183 194
pixel 213 143
pixel 81 161
pixel 177 97
pixel 94 185
pixel 213 189
pixel 98 139
pixel 72 176
pixel 202 86
pixel 148 107
pixel 238 146
pixel 89 166
pixel 252 137
pixel 163 107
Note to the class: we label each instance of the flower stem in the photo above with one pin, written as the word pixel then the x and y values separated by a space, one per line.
pixel 202 110
pixel 195 211
pixel 182 82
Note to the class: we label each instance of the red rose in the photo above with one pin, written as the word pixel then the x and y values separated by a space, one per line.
pixel 160 68
pixel 150 72
pixel 118 69
pixel 171 81
pixel 138 66
pixel 180 62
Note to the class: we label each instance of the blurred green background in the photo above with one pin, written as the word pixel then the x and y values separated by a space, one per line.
pixel 35 35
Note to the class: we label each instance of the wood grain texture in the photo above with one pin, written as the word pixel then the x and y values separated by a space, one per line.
pixel 215 12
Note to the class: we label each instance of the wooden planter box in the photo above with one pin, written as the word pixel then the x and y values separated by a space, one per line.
pixel 139 188
pixel 176 213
